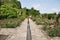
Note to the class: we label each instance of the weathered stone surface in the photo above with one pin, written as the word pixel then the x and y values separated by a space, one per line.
pixel 19 33
pixel 3 37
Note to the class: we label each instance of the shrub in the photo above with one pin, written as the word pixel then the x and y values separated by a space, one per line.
pixel 33 18
pixel 52 32
pixel 8 12
pixel 46 27
pixel 55 31
pixel 11 23
pixel 38 21
pixel 2 24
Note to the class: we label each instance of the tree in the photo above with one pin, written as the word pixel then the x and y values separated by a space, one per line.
pixel 13 3
pixel 34 12
pixel 16 4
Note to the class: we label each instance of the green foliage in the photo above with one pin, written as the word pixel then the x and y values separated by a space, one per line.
pixel 12 3
pixel 8 12
pixel 49 24
pixel 54 32
pixel 11 23
pixel 39 21
pixel 24 13
pixel 34 12
pixel 33 18
pixel 46 27
pixel 8 25
pixel 49 15
pixel 31 12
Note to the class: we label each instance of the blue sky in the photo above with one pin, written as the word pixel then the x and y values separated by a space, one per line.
pixel 44 6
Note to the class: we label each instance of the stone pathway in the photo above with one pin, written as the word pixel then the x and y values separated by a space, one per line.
pixel 19 33
pixel 37 32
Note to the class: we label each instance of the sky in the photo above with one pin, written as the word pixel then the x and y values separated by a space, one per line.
pixel 44 6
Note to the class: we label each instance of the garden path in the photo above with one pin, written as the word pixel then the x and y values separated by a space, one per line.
pixel 20 32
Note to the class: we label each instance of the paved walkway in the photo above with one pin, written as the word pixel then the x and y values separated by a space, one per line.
pixel 19 33
pixel 37 32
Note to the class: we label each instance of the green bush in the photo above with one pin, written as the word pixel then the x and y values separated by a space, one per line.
pixel 3 24
pixel 8 25
pixel 33 18
pixel 52 32
pixel 49 15
pixel 11 23
pixel 8 12
pixel 46 27
pixel 40 21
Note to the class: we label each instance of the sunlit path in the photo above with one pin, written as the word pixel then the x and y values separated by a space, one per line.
pixel 37 32
pixel 20 33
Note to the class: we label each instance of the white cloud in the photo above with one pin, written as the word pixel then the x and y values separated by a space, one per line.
pixel 36 6
pixel 55 9
pixel 50 10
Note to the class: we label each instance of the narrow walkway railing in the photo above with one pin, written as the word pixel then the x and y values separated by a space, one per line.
pixel 28 37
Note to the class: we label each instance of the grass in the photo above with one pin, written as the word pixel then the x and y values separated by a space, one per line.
pixel 42 21
pixel 53 32
pixel 11 23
